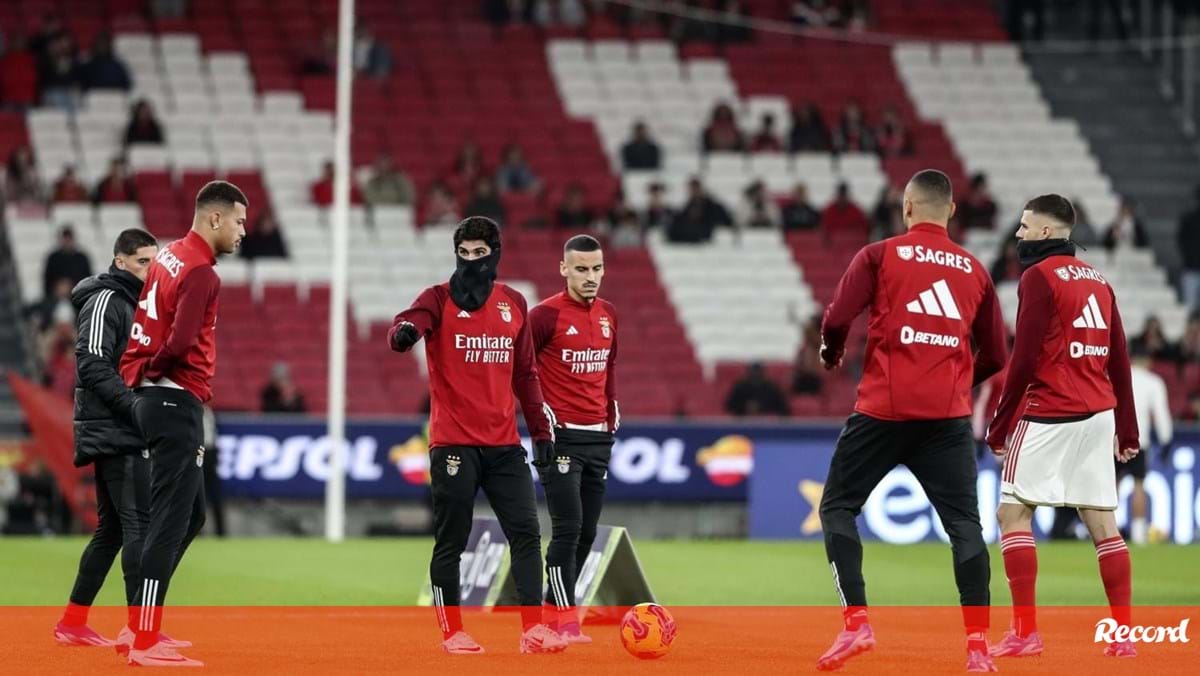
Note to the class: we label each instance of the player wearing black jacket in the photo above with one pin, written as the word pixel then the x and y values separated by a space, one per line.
pixel 105 435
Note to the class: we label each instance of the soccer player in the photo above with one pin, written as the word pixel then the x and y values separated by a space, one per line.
pixel 104 433
pixel 1153 415
pixel 1067 394
pixel 479 352
pixel 170 363
pixel 575 339
pixel 928 299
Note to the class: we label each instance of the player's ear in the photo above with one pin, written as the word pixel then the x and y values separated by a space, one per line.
pixel 953 208
pixel 562 269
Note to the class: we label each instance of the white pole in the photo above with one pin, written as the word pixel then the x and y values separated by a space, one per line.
pixel 335 487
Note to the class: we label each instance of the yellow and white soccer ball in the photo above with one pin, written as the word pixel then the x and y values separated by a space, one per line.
pixel 648 631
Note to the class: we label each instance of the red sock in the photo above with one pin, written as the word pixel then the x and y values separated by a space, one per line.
pixel 1116 572
pixel 550 615
pixel 976 619
pixel 135 615
pixel 75 615
pixel 530 616
pixel 854 617
pixel 1020 564
pixel 449 619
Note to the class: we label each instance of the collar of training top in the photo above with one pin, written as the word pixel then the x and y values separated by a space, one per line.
pixel 586 305
pixel 931 228
pixel 195 241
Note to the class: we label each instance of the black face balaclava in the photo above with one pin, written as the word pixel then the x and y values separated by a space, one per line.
pixel 1030 253
pixel 472 281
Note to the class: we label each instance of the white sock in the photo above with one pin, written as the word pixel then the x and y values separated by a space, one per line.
pixel 1137 531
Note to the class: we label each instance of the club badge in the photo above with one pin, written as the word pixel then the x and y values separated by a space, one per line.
pixel 452 463
pixel 505 311
pixel 564 464
pixel 904 252
pixel 605 328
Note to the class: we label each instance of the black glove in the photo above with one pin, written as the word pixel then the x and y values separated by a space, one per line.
pixel 405 337
pixel 543 454
pixel 831 358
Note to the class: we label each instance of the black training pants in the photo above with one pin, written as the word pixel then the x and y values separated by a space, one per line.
pixel 171 422
pixel 941 455
pixel 574 485
pixel 456 475
pixel 123 507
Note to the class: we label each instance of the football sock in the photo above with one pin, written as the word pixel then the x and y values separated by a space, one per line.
pixel 1116 572
pixel 75 615
pixel 1020 565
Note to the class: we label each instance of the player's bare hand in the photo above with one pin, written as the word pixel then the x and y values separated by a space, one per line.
pixel 1126 454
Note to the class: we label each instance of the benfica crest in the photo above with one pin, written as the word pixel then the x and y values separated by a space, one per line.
pixel 904 252
pixel 505 311
pixel 1063 274
pixel 605 328
pixel 564 464
pixel 452 463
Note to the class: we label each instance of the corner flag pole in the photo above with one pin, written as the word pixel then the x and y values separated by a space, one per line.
pixel 335 486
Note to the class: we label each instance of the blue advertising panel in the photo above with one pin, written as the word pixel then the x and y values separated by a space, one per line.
pixel 789 478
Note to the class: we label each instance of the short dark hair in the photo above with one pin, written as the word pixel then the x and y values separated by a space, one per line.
pixel 1055 206
pixel 221 193
pixel 581 243
pixel 934 184
pixel 129 241
pixel 478 228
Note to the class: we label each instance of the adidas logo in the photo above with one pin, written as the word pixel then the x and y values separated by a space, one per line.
pixel 936 301
pixel 1091 317
pixel 464 313
pixel 571 331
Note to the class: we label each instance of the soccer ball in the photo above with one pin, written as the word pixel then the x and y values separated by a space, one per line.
pixel 647 631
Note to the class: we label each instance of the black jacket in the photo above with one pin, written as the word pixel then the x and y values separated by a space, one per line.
pixel 104 307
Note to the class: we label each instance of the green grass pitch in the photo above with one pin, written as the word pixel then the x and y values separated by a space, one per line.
pixel 272 571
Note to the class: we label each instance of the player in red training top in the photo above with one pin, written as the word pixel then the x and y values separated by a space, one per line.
pixel 929 299
pixel 479 351
pixel 170 361
pixel 1067 408
pixel 575 339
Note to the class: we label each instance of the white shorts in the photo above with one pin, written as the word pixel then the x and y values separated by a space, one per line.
pixel 1062 465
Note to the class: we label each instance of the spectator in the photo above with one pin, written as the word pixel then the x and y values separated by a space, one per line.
pixel 852 134
pixel 722 133
pixel 843 215
pixel 626 231
pixel 103 70
pixel 809 133
pixel 143 126
pixel 619 211
pixel 168 9
pixel 887 218
pixel 116 186
pixel 55 307
pixel 18 75
pixel 699 217
pixel 641 152
pixel 468 166
pixel 1126 230
pixel 766 140
pixel 1187 238
pixel 371 57
pixel 757 209
pixel 514 174
pixel 485 202
pixel 658 213
pixel 387 184
pixel 22 182
pixel 58 73
pixel 977 211
pixel 440 206
pixel 1007 266
pixel 806 378
pixel 68 188
pixel 1153 341
pixel 817 13
pixel 280 395
pixel 65 262
pixel 568 13
pixel 52 28
pixel 574 213
pixel 755 394
pixel 798 213
pixel 892 136
pixel 322 191
pixel 321 57
pixel 1189 347
pixel 731 23
pixel 264 240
